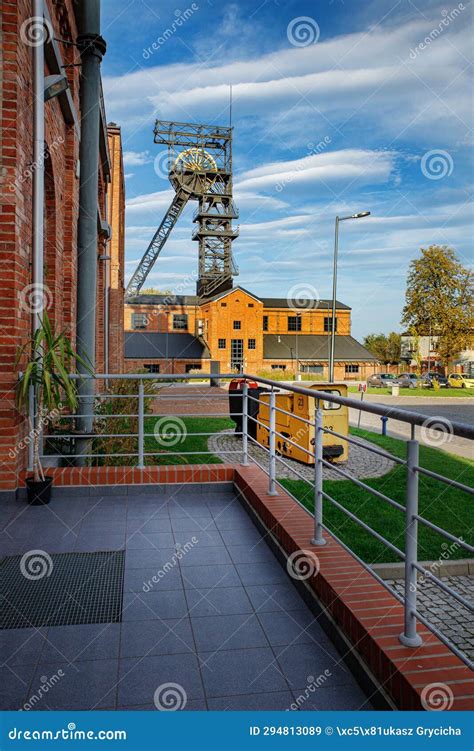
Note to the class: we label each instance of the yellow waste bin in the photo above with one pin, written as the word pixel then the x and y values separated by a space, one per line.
pixel 291 430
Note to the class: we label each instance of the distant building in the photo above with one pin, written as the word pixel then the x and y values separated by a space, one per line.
pixel 421 352
pixel 243 332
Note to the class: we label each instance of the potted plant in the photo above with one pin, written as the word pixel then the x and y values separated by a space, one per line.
pixel 51 359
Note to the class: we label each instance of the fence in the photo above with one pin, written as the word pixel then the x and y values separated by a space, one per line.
pixel 409 555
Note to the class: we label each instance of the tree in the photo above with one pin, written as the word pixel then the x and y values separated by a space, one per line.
pixel 384 348
pixel 440 291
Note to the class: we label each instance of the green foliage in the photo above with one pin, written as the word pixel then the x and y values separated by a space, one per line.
pixel 385 348
pixel 440 290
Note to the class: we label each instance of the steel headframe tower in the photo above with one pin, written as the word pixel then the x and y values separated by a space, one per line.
pixel 199 168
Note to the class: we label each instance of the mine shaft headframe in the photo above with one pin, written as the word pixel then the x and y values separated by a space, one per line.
pixel 214 139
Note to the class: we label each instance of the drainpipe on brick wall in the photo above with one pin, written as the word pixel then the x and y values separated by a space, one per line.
pixel 92 48
pixel 38 173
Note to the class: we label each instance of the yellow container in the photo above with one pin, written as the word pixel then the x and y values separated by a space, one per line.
pixel 288 426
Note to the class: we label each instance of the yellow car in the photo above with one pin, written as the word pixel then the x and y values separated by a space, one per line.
pixel 459 381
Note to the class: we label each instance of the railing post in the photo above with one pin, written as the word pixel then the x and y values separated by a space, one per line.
pixel 32 427
pixel 410 638
pixel 245 424
pixel 272 445
pixel 318 538
pixel 141 425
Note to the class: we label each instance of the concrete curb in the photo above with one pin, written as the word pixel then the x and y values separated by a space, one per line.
pixel 462 567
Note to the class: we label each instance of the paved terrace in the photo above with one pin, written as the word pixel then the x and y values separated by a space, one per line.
pixel 225 623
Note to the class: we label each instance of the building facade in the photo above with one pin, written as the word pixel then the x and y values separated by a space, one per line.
pixel 241 332
pixel 421 353
pixel 19 299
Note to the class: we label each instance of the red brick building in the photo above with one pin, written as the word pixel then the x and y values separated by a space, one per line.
pixel 62 120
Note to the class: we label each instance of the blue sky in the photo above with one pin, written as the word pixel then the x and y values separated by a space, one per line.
pixel 337 107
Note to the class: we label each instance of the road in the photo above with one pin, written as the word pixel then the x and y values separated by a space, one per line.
pixel 453 409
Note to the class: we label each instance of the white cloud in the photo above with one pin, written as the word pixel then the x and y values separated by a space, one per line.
pixel 136 158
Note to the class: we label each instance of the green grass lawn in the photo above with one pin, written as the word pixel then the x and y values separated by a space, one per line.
pixel 191 441
pixel 418 392
pixel 447 507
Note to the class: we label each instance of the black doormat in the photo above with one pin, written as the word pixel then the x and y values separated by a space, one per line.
pixel 65 589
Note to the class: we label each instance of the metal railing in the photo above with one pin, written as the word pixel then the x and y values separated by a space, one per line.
pixel 409 554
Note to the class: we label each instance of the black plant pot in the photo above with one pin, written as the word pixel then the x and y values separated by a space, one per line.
pixel 39 493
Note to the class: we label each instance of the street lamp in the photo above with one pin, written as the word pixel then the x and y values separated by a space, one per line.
pixel 360 215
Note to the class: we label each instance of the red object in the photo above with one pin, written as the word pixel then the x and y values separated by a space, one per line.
pixel 237 384
pixel 362 387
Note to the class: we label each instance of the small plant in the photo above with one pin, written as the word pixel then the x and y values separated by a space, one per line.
pixel 51 359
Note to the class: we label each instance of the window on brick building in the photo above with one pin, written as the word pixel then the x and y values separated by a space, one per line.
pixel 139 320
pixel 222 343
pixel 328 323
pixel 251 343
pixel 251 305
pixel 152 368
pixel 180 321
pixel 294 323
pixel 237 325
pixel 278 367
pixel 265 323
pixel 223 305
pixel 351 368
pixel 192 366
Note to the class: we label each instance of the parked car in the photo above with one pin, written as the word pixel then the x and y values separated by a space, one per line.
pixel 427 380
pixel 381 380
pixel 408 380
pixel 460 381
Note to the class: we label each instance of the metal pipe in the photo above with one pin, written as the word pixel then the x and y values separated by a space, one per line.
pixel 318 538
pixel 272 445
pixel 410 638
pixel 245 424
pixel 92 48
pixel 38 162
pixel 141 424
pixel 334 292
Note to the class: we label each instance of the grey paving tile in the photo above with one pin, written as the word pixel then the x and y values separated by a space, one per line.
pixel 241 536
pixel 149 579
pixel 192 705
pixel 233 521
pixel 273 597
pixel 241 671
pixel 156 637
pixel 263 573
pixel 259 552
pixel 82 642
pixel 85 685
pixel 205 556
pixel 280 700
pixel 204 538
pixel 152 605
pixel 303 660
pixel 92 543
pixel 295 627
pixel 98 528
pixel 140 541
pixel 202 577
pixel 149 558
pixel 14 685
pixel 140 678
pixel 21 646
pixel 219 632
pixel 187 524
pixel 327 697
pixel 218 601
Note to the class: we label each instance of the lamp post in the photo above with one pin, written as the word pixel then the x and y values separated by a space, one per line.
pixel 360 215
pixel 298 320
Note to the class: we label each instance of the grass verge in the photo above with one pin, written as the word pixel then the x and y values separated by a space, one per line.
pixel 447 507
pixel 442 393
pixel 169 450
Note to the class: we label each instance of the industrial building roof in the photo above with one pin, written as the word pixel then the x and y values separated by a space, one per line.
pixel 142 345
pixel 268 302
pixel 313 347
